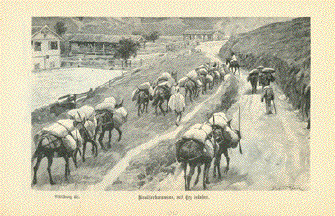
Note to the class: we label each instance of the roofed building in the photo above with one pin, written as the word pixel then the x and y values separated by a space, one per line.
pixel 202 35
pixel 98 43
pixel 45 45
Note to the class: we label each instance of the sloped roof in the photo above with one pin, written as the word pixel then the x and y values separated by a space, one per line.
pixel 103 38
pixel 198 31
pixel 37 29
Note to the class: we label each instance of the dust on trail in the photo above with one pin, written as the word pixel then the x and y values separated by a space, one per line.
pixel 275 148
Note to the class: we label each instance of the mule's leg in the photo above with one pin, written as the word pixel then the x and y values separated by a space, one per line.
pixel 120 133
pixel 184 166
pixel 189 176
pixel 146 106
pixel 138 109
pixel 74 157
pixel 50 160
pixel 84 149
pixel 225 152
pixel 161 108
pixel 67 169
pixel 205 178
pixel 94 147
pixel 198 175
pixel 39 158
pixel 109 145
pixel 102 135
pixel 217 164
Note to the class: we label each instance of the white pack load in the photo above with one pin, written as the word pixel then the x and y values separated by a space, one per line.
pixel 61 128
pixel 69 142
pixel 209 78
pixel 268 70
pixel 166 83
pixel 151 91
pixel 198 132
pixel 210 147
pixel 83 113
pixel 192 75
pixel 199 83
pixel 110 100
pixel 232 136
pixel 165 76
pixel 106 105
pixel 144 86
pixel 182 81
pixel 203 71
pixel 87 112
pixel 73 114
pixel 90 127
pixel 120 116
pixel 76 135
pixel 219 119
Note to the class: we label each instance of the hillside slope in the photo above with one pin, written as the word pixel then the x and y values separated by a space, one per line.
pixel 285 46
pixel 171 26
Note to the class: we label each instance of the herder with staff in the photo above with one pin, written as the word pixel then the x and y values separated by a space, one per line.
pixel 177 104
pixel 265 79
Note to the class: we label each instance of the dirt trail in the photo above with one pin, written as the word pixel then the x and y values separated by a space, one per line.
pixel 275 148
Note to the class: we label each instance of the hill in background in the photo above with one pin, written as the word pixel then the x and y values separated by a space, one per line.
pixel 171 26
pixel 285 46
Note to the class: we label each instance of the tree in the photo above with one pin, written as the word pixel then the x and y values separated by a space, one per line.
pixel 126 48
pixel 154 36
pixel 60 28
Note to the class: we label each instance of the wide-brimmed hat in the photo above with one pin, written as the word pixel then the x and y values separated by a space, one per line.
pixel 260 67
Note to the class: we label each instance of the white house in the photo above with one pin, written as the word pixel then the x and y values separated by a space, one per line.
pixel 45 45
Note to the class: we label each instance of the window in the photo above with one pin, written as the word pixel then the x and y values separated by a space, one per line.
pixel 53 45
pixel 38 46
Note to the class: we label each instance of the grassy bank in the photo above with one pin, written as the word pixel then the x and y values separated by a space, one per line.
pixel 136 130
pixel 284 46
pixel 151 166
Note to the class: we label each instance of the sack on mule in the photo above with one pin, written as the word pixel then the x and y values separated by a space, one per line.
pixel 199 83
pixel 110 100
pixel 87 112
pixel 198 132
pixel 182 82
pixel 192 75
pixel 203 71
pixel 166 83
pixel 120 117
pixel 90 127
pixel 166 76
pixel 209 78
pixel 219 119
pixel 232 137
pixel 144 86
pixel 210 147
pixel 60 128
pixel 105 106
pixel 268 70
pixel 76 135
pixel 69 142
pixel 83 113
